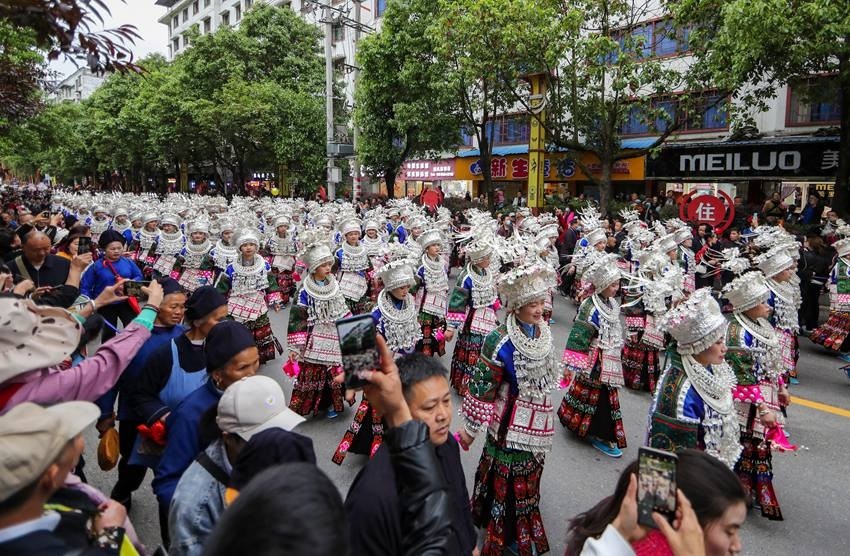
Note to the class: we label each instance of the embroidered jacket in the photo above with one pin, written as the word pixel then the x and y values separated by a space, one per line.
pixel 582 353
pixel 462 302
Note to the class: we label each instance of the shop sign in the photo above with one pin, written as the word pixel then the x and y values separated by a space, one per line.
pixel 557 167
pixel 708 209
pixel 769 159
pixel 428 170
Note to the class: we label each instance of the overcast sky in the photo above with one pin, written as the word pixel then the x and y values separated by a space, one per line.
pixel 141 13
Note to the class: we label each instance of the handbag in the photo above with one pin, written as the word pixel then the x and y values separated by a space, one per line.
pixel 108 449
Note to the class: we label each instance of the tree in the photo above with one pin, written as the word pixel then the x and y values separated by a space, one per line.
pixel 59 28
pixel 403 104
pixel 755 46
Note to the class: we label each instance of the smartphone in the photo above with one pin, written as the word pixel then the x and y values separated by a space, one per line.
pixel 359 349
pixel 83 245
pixel 656 485
pixel 133 288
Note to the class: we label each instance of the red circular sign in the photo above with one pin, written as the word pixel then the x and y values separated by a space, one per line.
pixel 708 209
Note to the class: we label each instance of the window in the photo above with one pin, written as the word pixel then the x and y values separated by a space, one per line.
pixel 185 15
pixel 380 7
pixel 195 7
pixel 657 38
pixel 709 112
pixel 467 138
pixel 207 25
pixel 665 43
pixel 509 130
pixel 225 18
pixel 175 23
pixel 175 44
pixel 813 101
pixel 248 4
pixel 338 32
pixel 206 3
pixel 237 12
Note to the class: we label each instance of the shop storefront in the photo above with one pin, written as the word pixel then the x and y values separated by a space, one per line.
pixel 793 166
pixel 416 175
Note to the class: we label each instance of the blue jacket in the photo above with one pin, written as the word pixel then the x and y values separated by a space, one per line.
pixel 98 276
pixel 160 336
pixel 184 442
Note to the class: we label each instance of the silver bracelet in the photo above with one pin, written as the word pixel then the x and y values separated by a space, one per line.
pixel 93 305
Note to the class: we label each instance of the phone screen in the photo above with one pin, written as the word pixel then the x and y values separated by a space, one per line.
pixel 133 288
pixel 358 347
pixel 656 485
pixel 84 245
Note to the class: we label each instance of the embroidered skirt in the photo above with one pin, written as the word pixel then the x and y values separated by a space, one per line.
pixel 506 500
pixel 267 344
pixel 591 408
pixel 314 390
pixel 833 334
pixel 193 278
pixel 433 327
pixel 640 365
pixel 364 435
pixel 465 358
pixel 246 307
pixel 755 469
pixel 285 284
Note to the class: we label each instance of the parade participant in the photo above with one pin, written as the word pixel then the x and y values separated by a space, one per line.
pixel 144 240
pixel 693 406
pixel 686 257
pixel 169 243
pixel 373 501
pixel 121 224
pixel 784 300
pixel 395 320
pixel 225 250
pixel 416 224
pixel 352 267
pixel 593 240
pixel 433 296
pixel 591 405
pixel 395 228
pixel 376 246
pixel 280 253
pixel 834 334
pixel 312 337
pixel 194 266
pixel 100 223
pixel 251 290
pixel 754 355
pixel 111 269
pixel 509 397
pixel 472 305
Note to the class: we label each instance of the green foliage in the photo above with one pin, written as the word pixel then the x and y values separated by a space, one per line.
pixel 242 100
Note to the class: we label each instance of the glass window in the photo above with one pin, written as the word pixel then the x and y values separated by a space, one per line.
pixel 207 25
pixel 380 7
pixel 185 15
pixel 814 101
pixel 206 3
pixel 716 115
pixel 665 38
pixel 635 124
pixel 175 23
pixel 668 106
pixel 643 47
pixel 225 18
pixel 237 13
pixel 195 7
pixel 176 43
pixel 338 32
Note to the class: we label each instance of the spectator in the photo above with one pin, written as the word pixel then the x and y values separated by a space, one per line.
pixel 254 423
pixel 36 341
pixel 519 200
pixel 774 206
pixel 741 213
pixel 68 246
pixel 38 449
pixel 813 270
pixel 166 327
pixel 35 262
pixel 707 488
pixel 108 271
pixel 230 354
pixel 373 501
pixel 10 244
pixel 812 213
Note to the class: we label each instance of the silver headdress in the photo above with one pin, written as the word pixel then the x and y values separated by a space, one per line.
pixel 396 274
pixel 602 271
pixel 746 291
pixel 774 261
pixel 431 237
pixel 525 284
pixel 696 323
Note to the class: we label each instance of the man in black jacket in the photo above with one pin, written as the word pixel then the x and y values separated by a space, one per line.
pixel 373 502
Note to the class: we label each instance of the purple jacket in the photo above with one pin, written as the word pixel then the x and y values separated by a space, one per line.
pixel 87 381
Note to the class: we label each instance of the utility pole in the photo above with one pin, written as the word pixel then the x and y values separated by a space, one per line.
pixel 358 178
pixel 329 96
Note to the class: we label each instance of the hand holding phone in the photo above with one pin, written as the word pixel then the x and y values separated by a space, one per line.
pixel 83 245
pixel 133 288
pixel 358 348
pixel 656 485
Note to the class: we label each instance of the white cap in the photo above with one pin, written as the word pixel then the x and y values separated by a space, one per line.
pixel 254 404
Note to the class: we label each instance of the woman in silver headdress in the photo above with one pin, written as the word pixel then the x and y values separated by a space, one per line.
pixel 353 267
pixel 169 243
pixel 433 296
pixel 251 289
pixel 280 253
pixel 194 266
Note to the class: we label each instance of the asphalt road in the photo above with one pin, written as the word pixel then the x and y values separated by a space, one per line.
pixel 812 484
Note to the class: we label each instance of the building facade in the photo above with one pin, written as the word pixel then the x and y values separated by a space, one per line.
pixel 76 87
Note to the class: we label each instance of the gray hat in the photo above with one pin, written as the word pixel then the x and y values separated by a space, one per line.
pixel 254 404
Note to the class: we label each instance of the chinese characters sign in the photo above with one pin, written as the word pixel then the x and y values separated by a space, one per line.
pixel 427 170
pixel 556 167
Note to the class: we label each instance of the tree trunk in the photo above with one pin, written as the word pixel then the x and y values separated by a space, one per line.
pixel 605 187
pixel 841 200
pixel 389 179
pixel 486 160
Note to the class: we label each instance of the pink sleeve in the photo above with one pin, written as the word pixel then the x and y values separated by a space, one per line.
pixel 89 380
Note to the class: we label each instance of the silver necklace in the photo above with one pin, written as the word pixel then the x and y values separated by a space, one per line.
pixel 322 292
pixel 715 386
pixel 436 278
pixel 535 364
pixel 354 258
pixel 760 329
pixel 400 326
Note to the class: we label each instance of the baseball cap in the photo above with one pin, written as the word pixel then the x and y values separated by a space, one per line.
pixel 32 437
pixel 254 404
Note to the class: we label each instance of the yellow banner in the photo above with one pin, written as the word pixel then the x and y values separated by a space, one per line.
pixel 556 168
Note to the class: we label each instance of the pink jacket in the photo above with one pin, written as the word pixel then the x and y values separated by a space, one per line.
pixel 87 381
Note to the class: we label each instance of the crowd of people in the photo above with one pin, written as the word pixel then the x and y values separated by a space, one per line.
pixel 148 319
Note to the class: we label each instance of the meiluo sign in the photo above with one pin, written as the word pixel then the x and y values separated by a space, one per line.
pixel 813 157
pixel 721 162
